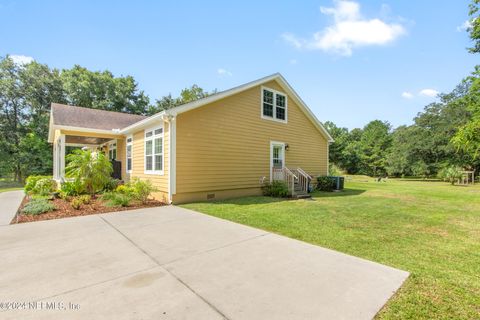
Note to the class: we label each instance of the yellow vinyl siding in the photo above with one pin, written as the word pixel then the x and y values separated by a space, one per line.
pixel 226 145
pixel 138 161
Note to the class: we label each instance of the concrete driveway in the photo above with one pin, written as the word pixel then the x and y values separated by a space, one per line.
pixel 172 263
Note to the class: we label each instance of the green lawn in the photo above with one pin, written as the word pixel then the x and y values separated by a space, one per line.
pixel 8 185
pixel 430 229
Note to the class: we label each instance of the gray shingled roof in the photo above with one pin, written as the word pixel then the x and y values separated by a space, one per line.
pixel 72 116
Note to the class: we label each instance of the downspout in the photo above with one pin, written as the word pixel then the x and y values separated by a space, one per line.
pixel 172 124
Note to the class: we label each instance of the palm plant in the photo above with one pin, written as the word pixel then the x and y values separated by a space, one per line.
pixel 90 168
pixel 452 174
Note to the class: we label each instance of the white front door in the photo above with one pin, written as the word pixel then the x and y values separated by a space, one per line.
pixel 277 160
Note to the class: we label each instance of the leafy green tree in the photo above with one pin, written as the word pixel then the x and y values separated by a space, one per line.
pixel 186 95
pixel 474 30
pixel 101 90
pixel 92 169
pixel 26 91
pixel 467 138
pixel 398 161
pixel 374 146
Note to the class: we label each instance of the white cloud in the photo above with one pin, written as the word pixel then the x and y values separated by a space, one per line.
pixel 293 40
pixel 293 61
pixel 224 72
pixel 349 30
pixel 429 93
pixel 20 59
pixel 407 95
pixel 467 24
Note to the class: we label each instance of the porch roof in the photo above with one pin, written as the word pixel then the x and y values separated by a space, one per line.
pixel 89 120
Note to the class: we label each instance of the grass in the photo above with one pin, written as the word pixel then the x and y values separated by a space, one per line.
pixel 8 185
pixel 431 229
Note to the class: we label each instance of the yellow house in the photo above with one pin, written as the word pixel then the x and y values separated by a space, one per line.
pixel 222 146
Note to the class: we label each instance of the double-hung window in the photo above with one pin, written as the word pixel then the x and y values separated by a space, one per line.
pixel 154 151
pixel 129 154
pixel 274 105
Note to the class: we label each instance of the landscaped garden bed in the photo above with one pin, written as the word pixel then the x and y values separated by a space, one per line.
pixel 90 190
pixel 64 209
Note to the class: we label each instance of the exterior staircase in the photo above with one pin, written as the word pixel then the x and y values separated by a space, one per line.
pixel 297 180
pixel 299 193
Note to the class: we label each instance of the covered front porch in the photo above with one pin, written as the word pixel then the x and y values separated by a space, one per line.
pixel 113 145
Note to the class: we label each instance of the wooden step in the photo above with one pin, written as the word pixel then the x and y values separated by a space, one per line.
pixel 302 196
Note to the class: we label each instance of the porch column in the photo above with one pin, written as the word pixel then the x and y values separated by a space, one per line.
pixel 55 157
pixel 62 157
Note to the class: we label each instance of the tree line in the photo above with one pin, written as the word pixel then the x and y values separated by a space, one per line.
pixel 445 134
pixel 27 90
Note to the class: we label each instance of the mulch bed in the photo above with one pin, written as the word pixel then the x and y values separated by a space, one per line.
pixel 64 209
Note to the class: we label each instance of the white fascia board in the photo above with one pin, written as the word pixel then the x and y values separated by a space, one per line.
pixel 145 123
pixel 88 130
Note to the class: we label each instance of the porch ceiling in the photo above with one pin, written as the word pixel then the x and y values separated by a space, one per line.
pixel 85 140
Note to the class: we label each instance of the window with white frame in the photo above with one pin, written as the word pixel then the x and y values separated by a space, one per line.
pixel 112 151
pixel 129 154
pixel 154 150
pixel 274 105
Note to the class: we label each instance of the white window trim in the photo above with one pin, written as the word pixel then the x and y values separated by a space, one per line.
pixel 157 172
pixel 275 92
pixel 110 145
pixel 276 143
pixel 131 153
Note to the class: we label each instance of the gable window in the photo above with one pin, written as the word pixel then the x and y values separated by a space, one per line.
pixel 112 151
pixel 274 105
pixel 129 154
pixel 154 151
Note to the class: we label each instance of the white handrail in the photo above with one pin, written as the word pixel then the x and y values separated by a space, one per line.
pixel 302 172
pixel 286 175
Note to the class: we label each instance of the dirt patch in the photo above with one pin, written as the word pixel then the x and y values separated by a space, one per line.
pixel 64 209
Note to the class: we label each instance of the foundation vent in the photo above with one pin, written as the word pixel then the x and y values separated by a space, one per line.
pixel 210 196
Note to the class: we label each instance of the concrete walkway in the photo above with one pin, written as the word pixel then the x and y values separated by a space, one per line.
pixel 9 203
pixel 172 263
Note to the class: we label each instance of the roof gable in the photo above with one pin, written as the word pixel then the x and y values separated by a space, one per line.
pixel 227 93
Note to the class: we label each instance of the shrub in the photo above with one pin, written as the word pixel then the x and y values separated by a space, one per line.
pixel 44 186
pixel 71 188
pixel 111 185
pixel 141 189
pixel 124 189
pixel 38 206
pixel 275 189
pixel 119 200
pixel 90 168
pixel 106 196
pixel 31 181
pixel 325 183
pixel 85 199
pixel 78 201
pixel 451 174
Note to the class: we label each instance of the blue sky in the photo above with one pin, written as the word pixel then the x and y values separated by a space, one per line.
pixel 351 62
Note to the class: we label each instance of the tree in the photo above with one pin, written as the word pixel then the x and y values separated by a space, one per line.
pixel 474 29
pixel 467 138
pixel 337 148
pixel 101 90
pixel 26 91
pixel 186 95
pixel 374 145
pixel 398 161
